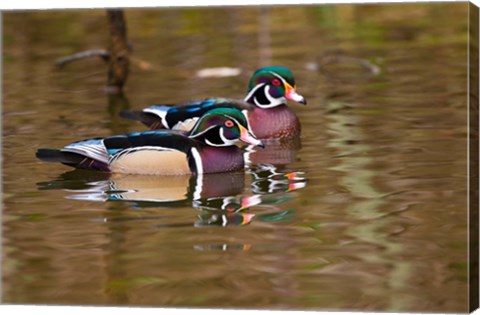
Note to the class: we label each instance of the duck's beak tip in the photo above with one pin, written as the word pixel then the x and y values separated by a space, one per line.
pixel 292 95
pixel 248 137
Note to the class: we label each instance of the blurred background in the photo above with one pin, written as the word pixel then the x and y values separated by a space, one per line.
pixel 368 211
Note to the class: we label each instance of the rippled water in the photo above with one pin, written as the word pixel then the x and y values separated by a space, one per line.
pixel 367 212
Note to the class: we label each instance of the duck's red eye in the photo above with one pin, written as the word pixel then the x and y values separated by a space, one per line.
pixel 276 82
pixel 229 124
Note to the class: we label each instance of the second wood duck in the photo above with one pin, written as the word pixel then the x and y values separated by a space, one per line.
pixel 264 107
pixel 208 148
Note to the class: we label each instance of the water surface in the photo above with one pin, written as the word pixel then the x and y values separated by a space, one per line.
pixel 366 212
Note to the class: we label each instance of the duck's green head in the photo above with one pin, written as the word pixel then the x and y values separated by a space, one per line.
pixel 223 127
pixel 273 86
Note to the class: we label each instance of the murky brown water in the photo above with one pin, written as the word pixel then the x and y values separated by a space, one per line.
pixel 373 214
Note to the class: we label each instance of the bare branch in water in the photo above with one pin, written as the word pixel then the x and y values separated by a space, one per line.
pixel 366 68
pixel 332 59
pixel 102 53
pixel 117 54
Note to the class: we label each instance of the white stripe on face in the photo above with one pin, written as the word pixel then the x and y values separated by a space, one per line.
pixel 273 102
pixel 252 91
pixel 201 133
pixel 226 141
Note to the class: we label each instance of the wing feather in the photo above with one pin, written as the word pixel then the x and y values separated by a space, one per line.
pixel 94 149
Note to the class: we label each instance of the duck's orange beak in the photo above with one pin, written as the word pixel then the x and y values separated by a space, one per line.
pixel 291 94
pixel 246 136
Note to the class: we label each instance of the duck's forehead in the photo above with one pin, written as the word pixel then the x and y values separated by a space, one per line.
pixel 213 120
pixel 283 72
pixel 230 113
pixel 261 78
pixel 280 72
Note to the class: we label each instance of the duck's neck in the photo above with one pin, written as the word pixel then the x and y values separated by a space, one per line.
pixel 260 97
pixel 274 123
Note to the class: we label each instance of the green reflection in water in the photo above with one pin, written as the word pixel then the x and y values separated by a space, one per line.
pixel 355 162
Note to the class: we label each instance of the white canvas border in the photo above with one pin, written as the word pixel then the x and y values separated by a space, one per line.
pixel 55 4
pixel 88 4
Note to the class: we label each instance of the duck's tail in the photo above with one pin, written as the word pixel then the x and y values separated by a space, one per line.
pixel 57 156
pixel 70 159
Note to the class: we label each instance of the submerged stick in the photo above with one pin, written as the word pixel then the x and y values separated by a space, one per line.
pixel 117 54
pixel 102 53
pixel 118 63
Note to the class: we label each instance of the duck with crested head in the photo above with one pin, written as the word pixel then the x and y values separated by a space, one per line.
pixel 265 107
pixel 208 148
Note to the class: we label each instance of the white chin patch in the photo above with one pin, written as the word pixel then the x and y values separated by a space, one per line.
pixel 272 102
pixel 225 142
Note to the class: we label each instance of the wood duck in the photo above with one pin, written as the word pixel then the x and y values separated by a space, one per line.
pixel 208 148
pixel 264 106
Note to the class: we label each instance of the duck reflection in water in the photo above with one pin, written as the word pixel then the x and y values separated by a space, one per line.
pixel 268 179
pixel 221 198
pixel 275 152
pixel 269 169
